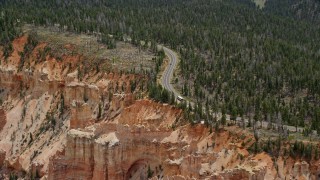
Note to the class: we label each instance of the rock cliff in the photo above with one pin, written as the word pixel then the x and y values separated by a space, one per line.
pixel 142 143
pixel 43 98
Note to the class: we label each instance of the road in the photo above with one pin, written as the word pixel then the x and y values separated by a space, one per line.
pixel 168 72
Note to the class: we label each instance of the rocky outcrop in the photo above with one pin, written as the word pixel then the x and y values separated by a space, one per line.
pixel 94 154
pixel 301 169
pixel 43 98
pixel 241 174
pixel 140 142
pixel 79 91
pixel 81 115
pixel 79 158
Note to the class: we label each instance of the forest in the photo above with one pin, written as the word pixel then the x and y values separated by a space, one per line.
pixel 235 58
pixel 8 31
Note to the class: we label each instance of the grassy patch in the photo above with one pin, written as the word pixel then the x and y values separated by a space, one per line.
pixel 125 56
pixel 260 3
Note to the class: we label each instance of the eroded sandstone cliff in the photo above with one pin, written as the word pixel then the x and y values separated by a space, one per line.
pixel 42 99
pixel 142 142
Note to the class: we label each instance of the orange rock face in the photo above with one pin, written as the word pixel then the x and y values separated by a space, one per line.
pixel 42 99
pixel 141 143
pixel 81 115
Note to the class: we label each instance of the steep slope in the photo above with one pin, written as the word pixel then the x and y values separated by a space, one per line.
pixel 38 97
pixel 143 141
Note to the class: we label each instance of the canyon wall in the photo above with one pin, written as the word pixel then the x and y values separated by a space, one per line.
pixel 142 143
pixel 42 99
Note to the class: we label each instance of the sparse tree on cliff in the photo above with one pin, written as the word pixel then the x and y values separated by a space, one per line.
pixel 269 121
pixel 223 119
pixel 150 172
pixel 243 122
pixel 256 134
pixel 99 111
pixel 279 122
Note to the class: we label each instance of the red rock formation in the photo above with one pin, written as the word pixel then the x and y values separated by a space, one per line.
pixel 81 115
pixel 140 138
pixel 79 161
pixel 38 100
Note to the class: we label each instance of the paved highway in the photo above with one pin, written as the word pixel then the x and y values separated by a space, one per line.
pixel 168 72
